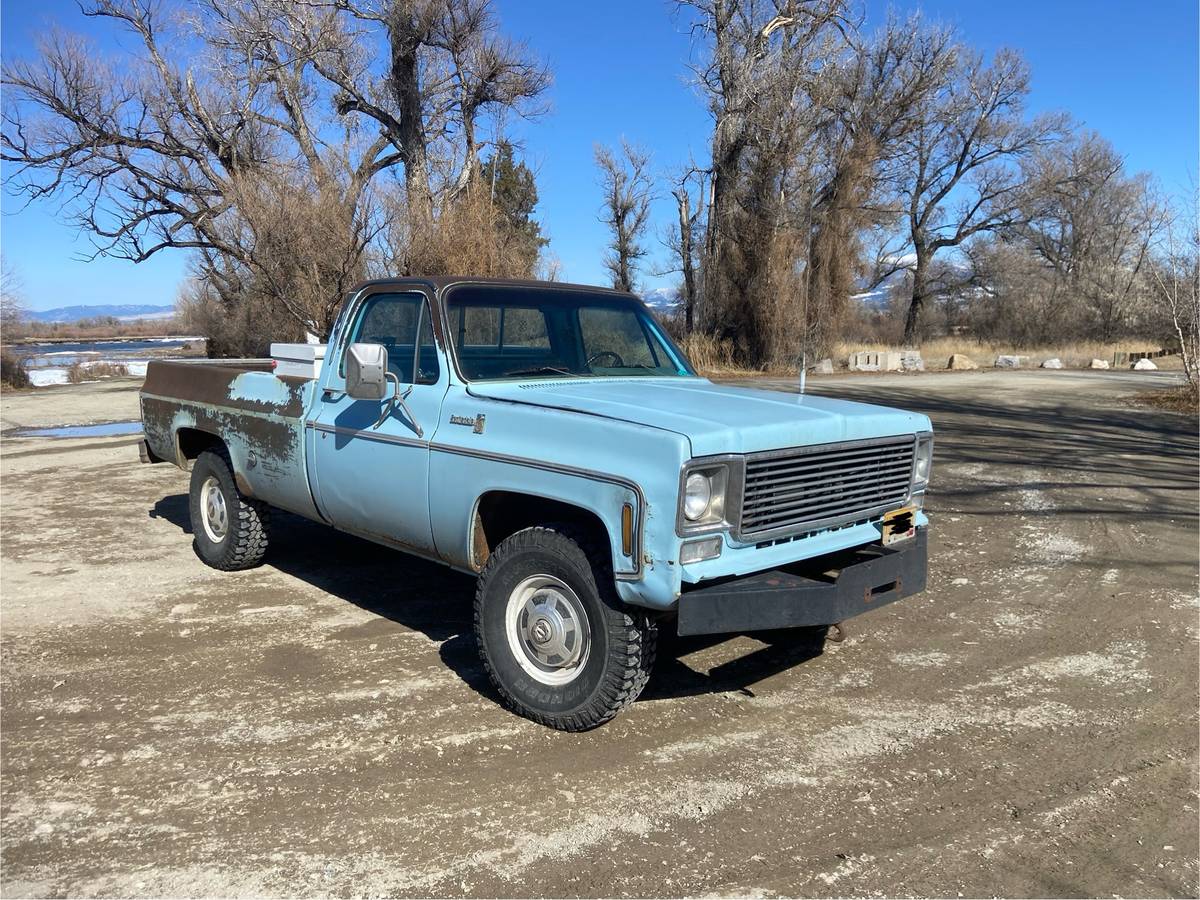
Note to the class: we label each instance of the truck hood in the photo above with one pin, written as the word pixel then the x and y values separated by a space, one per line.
pixel 716 418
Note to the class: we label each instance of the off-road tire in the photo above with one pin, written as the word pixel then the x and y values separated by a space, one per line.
pixel 623 638
pixel 245 541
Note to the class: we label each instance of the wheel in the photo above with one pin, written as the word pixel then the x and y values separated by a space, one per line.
pixel 230 529
pixel 558 644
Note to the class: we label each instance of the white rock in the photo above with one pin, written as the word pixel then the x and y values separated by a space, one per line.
pixel 1052 364
pixel 1008 362
pixel 1144 365
pixel 824 367
pixel 1099 364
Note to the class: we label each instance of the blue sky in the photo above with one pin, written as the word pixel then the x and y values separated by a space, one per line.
pixel 1126 70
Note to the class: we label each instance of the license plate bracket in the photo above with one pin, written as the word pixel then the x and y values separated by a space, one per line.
pixel 899 525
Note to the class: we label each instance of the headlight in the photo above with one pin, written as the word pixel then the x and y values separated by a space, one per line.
pixel 703 498
pixel 923 462
pixel 697 496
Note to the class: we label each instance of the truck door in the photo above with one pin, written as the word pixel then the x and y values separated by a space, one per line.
pixel 370 468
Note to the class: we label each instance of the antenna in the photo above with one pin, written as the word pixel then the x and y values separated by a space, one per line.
pixel 803 370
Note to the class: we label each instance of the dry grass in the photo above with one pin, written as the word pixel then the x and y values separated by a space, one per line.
pixel 713 357
pixel 1183 399
pixel 78 373
pixel 96 329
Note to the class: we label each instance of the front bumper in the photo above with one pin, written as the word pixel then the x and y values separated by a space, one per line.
pixel 818 591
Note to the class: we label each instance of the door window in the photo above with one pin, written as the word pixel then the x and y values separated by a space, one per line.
pixel 401 323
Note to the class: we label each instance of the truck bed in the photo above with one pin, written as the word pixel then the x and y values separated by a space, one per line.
pixel 257 415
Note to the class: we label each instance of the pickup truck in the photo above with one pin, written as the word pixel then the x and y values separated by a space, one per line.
pixel 552 440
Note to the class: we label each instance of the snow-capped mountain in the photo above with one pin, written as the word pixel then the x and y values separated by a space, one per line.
pixel 663 300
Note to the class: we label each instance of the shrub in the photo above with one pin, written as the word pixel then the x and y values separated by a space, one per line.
pixel 13 373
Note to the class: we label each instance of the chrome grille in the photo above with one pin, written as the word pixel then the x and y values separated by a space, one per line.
pixel 788 490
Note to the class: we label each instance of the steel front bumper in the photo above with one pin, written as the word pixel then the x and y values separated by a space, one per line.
pixel 818 591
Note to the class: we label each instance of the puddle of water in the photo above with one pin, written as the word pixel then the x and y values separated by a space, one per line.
pixel 106 429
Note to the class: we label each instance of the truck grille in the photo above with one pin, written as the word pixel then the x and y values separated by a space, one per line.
pixel 789 490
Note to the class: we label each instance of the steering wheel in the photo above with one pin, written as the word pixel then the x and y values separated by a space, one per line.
pixel 609 354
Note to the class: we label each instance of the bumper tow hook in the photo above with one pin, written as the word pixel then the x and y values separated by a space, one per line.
pixel 837 632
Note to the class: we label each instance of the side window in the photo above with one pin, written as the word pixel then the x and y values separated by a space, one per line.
pixel 401 323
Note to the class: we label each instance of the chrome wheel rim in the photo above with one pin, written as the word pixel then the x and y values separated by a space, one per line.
pixel 214 513
pixel 547 629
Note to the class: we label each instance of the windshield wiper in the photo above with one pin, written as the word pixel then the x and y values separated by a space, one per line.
pixel 540 370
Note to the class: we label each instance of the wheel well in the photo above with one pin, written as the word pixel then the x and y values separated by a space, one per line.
pixel 192 442
pixel 499 514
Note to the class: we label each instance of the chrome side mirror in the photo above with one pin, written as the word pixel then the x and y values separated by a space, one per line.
pixel 366 371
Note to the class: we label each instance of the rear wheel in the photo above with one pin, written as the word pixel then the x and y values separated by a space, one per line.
pixel 229 529
pixel 558 644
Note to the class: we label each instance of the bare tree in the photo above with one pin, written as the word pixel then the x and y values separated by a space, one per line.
pixel 262 153
pixel 683 238
pixel 628 189
pixel 761 64
pixel 12 299
pixel 1175 275
pixel 1093 226
pixel 959 174
pixel 869 108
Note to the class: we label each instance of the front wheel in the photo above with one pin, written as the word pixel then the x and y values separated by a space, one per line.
pixel 558 644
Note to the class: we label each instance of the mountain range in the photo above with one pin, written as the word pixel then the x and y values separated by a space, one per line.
pixel 126 312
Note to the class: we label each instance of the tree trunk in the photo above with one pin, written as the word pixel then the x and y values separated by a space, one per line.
pixel 406 86
pixel 920 289
pixel 686 259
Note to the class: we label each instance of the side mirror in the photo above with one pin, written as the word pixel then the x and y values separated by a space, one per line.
pixel 366 371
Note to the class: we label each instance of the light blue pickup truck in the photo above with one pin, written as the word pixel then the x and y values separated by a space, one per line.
pixel 552 440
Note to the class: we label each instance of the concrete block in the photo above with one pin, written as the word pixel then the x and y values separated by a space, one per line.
pixel 1052 364
pixel 910 361
pixel 1099 364
pixel 823 367
pixel 875 361
pixel 1009 362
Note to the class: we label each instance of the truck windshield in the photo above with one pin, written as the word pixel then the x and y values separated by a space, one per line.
pixel 527 332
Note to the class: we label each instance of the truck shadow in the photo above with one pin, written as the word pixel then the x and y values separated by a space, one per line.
pixel 437 602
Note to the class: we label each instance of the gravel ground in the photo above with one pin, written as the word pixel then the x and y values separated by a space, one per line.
pixel 321 725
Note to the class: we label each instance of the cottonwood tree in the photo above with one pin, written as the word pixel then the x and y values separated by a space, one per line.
pixel 870 105
pixel 1093 226
pixel 760 64
pixel 627 186
pixel 255 133
pixel 960 173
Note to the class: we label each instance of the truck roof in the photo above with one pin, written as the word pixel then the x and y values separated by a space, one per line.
pixel 439 282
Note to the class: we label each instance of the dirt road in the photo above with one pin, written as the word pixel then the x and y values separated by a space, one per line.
pixel 321 725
